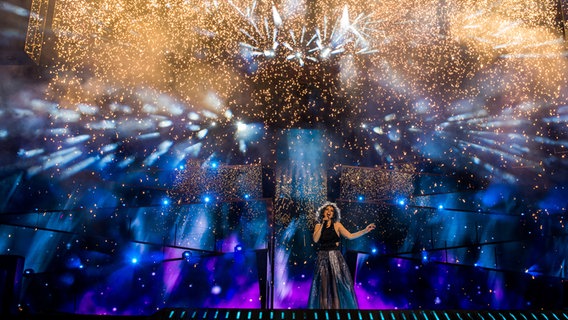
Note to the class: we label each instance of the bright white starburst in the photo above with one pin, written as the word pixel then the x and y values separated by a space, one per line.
pixel 268 34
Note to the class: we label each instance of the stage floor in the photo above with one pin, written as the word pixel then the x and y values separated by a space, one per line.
pixel 281 314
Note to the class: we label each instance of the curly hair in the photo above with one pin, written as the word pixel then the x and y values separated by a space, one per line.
pixel 337 212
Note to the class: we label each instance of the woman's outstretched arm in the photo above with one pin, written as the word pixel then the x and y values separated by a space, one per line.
pixel 345 233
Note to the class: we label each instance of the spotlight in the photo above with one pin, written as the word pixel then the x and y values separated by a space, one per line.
pixel 238 248
pixel 241 126
pixel 360 198
pixel 186 255
pixel 425 257
pixel 28 272
pixel 216 290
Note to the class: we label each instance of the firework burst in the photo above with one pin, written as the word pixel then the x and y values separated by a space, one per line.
pixel 471 84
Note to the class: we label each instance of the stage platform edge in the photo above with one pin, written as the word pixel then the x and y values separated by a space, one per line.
pixel 308 314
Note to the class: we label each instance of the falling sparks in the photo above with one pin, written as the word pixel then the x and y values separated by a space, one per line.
pixel 476 86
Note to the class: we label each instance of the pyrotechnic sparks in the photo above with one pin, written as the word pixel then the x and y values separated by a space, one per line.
pixel 304 44
pixel 460 82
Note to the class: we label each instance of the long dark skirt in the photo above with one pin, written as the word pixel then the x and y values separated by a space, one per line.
pixel 332 284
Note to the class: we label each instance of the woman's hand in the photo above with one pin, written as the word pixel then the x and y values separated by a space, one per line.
pixel 370 228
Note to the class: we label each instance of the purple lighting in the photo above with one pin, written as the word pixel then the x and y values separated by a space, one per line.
pixel 164 154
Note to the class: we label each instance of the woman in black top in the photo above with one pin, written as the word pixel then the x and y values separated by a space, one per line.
pixel 332 285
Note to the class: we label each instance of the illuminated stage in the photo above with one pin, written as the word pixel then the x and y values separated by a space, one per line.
pixel 255 314
pixel 164 158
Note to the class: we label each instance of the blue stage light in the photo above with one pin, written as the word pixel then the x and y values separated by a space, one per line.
pixel 186 255
pixel 424 256
pixel 238 248
pixel 360 198
pixel 216 290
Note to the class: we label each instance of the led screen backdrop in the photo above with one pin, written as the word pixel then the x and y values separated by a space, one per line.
pixel 159 154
